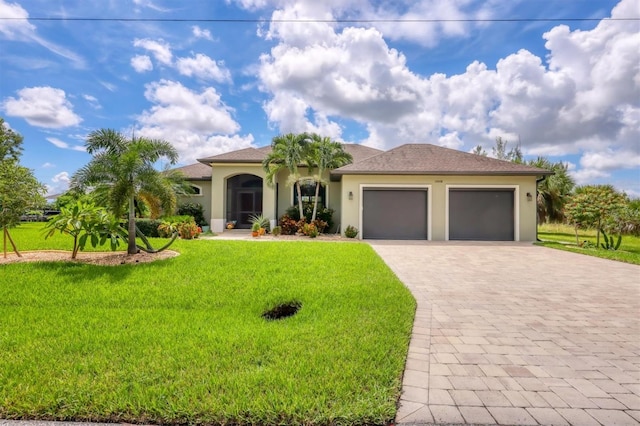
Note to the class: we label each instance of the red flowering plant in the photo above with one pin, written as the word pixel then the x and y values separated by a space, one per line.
pixel 189 230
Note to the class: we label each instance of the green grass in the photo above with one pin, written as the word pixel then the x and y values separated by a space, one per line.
pixel 563 237
pixel 182 340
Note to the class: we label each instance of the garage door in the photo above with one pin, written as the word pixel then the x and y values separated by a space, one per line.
pixel 394 214
pixel 481 214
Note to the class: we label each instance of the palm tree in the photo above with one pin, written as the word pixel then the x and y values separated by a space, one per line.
pixel 122 169
pixel 553 191
pixel 325 154
pixel 288 153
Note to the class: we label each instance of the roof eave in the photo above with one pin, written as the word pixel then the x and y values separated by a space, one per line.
pixel 444 173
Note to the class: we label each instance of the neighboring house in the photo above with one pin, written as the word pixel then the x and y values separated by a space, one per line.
pixel 412 192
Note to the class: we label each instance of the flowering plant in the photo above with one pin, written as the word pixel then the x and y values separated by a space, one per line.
pixel 189 230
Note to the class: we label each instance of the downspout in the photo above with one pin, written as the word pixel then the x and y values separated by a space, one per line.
pixel 537 182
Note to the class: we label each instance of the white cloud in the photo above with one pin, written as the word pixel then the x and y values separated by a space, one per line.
pixel 203 67
pixel 43 107
pixel 141 63
pixel 48 165
pixel 432 20
pixel 62 177
pixel 64 145
pixel 15 25
pixel 159 48
pixel 109 86
pixel 588 176
pixel 59 184
pixel 198 124
pixel 151 5
pixel 583 98
pixel 610 160
pixel 93 101
pixel 200 33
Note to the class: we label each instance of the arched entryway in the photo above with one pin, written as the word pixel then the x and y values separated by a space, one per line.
pixel 244 199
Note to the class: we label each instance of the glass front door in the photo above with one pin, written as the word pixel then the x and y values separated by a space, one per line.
pixel 244 199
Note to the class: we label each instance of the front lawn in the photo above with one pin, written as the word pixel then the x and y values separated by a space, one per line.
pixel 563 237
pixel 183 340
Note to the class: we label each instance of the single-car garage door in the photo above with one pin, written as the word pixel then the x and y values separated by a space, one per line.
pixel 394 214
pixel 481 214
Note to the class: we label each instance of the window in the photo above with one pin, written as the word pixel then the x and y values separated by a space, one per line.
pixel 308 191
pixel 196 190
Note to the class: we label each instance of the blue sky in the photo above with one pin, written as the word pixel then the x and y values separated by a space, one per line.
pixel 451 73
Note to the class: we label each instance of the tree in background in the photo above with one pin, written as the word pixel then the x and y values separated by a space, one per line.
pixel 324 154
pixel 479 150
pixel 500 152
pixel 10 143
pixel 288 153
pixel 122 169
pixel 19 189
pixel 592 206
pixel 553 191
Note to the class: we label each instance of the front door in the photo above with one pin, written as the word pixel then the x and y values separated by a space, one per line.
pixel 244 199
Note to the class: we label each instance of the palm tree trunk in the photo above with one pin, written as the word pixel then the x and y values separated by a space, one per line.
pixel 131 248
pixel 315 202
pixel 300 200
pixel 8 236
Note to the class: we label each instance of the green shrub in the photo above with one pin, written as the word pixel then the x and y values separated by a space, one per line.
pixel 149 227
pixel 178 218
pixel 277 230
pixel 323 214
pixel 194 210
pixel 310 230
pixel 351 232
pixel 260 220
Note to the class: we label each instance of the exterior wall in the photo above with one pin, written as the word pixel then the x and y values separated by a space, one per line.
pixel 525 220
pixel 285 195
pixel 219 175
pixel 204 198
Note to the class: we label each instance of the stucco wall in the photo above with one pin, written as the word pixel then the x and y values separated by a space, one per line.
pixel 285 195
pixel 219 175
pixel 204 199
pixel 437 185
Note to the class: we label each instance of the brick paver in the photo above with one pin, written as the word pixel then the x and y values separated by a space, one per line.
pixel 511 333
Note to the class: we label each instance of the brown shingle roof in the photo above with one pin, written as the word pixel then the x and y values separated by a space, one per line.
pixel 360 152
pixel 429 159
pixel 197 171
pixel 256 155
pixel 246 155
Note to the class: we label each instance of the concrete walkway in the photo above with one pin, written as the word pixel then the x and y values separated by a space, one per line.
pixel 515 334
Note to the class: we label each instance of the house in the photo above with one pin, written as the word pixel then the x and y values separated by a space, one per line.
pixel 411 192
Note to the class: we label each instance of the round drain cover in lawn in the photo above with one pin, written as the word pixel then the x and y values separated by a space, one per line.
pixel 282 310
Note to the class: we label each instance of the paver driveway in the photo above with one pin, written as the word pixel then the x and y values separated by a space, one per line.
pixel 511 333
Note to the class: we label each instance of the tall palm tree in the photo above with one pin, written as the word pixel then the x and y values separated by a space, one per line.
pixel 325 154
pixel 122 169
pixel 553 192
pixel 288 153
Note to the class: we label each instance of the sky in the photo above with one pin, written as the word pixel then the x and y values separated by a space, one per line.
pixel 558 77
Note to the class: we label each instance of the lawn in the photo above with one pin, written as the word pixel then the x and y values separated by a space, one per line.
pixel 183 340
pixel 563 237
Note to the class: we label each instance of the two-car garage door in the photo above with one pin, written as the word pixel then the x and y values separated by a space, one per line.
pixel 481 214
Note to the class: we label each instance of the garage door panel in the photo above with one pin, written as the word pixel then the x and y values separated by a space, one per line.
pixel 482 215
pixel 394 214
